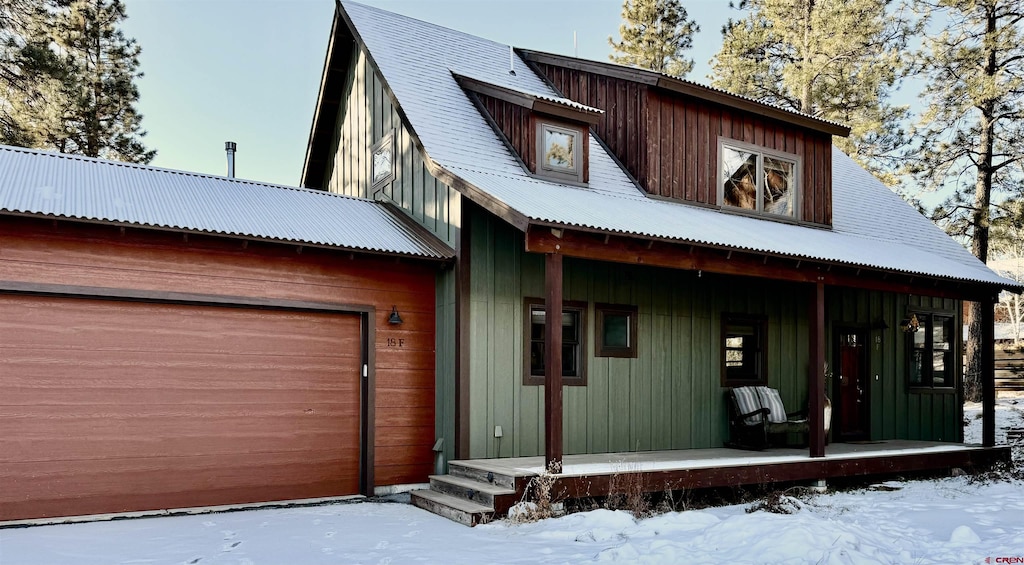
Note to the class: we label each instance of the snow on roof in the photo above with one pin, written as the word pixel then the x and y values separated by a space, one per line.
pixel 872 227
pixel 41 183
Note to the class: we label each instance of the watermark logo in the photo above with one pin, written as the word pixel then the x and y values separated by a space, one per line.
pixel 1018 560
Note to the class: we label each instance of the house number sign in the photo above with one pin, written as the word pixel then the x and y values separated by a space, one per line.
pixel 396 342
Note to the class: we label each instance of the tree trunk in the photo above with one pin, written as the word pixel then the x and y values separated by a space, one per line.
pixel 807 70
pixel 981 217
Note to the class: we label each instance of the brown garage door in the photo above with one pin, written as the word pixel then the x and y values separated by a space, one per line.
pixel 111 406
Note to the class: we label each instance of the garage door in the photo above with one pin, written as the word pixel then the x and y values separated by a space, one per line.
pixel 112 406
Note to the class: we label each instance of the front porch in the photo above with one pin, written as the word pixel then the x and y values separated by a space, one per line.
pixel 480 489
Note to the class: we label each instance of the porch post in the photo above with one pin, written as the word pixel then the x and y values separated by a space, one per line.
pixel 816 372
pixel 553 363
pixel 988 372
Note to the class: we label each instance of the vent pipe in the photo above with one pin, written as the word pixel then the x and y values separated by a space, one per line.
pixel 231 147
pixel 511 61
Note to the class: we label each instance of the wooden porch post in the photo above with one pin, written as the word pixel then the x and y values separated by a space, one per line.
pixel 816 372
pixel 988 373
pixel 553 363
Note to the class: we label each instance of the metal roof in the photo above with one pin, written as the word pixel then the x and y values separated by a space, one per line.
pixel 872 227
pixel 40 183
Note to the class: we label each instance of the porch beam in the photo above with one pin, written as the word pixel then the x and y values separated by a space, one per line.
pixel 553 363
pixel 634 251
pixel 816 372
pixel 988 373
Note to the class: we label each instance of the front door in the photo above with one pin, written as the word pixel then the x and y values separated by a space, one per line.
pixel 851 385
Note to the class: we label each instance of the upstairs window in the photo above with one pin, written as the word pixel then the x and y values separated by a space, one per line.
pixel 757 180
pixel 383 161
pixel 559 152
pixel 930 340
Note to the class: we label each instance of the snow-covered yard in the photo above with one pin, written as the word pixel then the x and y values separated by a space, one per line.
pixel 952 520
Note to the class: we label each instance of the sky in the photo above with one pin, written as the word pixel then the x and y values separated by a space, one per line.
pixel 249 70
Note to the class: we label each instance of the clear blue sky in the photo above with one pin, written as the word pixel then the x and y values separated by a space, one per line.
pixel 248 70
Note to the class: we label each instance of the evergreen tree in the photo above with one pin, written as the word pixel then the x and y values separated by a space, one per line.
pixel 971 136
pixel 654 35
pixel 68 79
pixel 833 59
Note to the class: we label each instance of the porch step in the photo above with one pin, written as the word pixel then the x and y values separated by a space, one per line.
pixel 469 489
pixel 454 508
pixel 482 474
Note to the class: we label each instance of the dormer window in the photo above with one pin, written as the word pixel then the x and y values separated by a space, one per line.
pixel 558 151
pixel 548 135
pixel 757 180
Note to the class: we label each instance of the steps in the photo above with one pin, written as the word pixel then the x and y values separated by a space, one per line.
pixel 471 494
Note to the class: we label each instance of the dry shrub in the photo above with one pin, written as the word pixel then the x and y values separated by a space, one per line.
pixel 537 502
pixel 626 491
pixel 777 502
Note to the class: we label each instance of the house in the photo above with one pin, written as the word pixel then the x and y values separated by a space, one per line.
pixel 689 240
pixel 172 340
pixel 502 261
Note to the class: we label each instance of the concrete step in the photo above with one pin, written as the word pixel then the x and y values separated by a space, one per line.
pixel 481 474
pixel 469 489
pixel 456 509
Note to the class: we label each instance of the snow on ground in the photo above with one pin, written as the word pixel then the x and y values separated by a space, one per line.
pixel 946 521
pixel 1009 414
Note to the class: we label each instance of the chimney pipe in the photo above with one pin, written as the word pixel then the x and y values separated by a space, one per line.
pixel 231 147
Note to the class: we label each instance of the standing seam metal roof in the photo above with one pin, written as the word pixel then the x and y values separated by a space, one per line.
pixel 872 227
pixel 41 183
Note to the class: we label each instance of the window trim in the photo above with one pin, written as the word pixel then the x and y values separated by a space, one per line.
pixel 762 152
pixel 760 324
pixel 602 350
pixel 927 319
pixel 530 379
pixel 543 171
pixel 388 139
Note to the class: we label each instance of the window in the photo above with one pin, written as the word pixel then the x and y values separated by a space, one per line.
pixel 615 331
pixel 383 162
pixel 757 180
pixel 573 342
pixel 930 339
pixel 744 355
pixel 559 152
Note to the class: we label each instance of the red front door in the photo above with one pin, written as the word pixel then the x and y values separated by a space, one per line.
pixel 851 385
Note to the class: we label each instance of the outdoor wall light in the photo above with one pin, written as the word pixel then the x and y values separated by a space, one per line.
pixel 911 324
pixel 394 318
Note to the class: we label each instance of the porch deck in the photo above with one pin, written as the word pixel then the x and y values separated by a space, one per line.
pixel 489 487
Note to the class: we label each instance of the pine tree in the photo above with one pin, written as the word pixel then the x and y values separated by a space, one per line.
pixel 655 35
pixel 833 59
pixel 971 135
pixel 27 66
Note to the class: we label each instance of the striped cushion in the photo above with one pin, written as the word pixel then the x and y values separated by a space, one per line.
pixel 747 401
pixel 771 400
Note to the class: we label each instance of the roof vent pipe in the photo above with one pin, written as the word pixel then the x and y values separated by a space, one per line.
pixel 511 61
pixel 231 147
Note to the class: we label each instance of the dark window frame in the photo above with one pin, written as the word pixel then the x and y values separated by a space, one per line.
pixel 387 140
pixel 926 318
pixel 761 152
pixel 760 371
pixel 580 379
pixel 602 350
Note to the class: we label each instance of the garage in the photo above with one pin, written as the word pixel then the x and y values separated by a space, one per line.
pixel 115 405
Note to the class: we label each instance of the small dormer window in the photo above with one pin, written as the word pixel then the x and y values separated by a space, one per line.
pixel 758 180
pixel 559 151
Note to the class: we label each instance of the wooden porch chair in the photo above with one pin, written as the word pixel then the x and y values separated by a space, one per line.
pixel 758 418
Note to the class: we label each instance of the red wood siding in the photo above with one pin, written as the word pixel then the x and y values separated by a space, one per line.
pixel 517 124
pixel 669 142
pixel 35 251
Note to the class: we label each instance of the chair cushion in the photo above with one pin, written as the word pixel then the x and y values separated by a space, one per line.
pixel 747 401
pixel 771 400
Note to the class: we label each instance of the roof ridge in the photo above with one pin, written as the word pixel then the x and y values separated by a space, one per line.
pixel 165 170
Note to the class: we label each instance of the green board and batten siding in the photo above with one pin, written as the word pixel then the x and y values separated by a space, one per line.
pixel 670 396
pixel 366 116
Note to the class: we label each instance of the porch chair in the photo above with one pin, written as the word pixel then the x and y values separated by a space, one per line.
pixel 758 418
